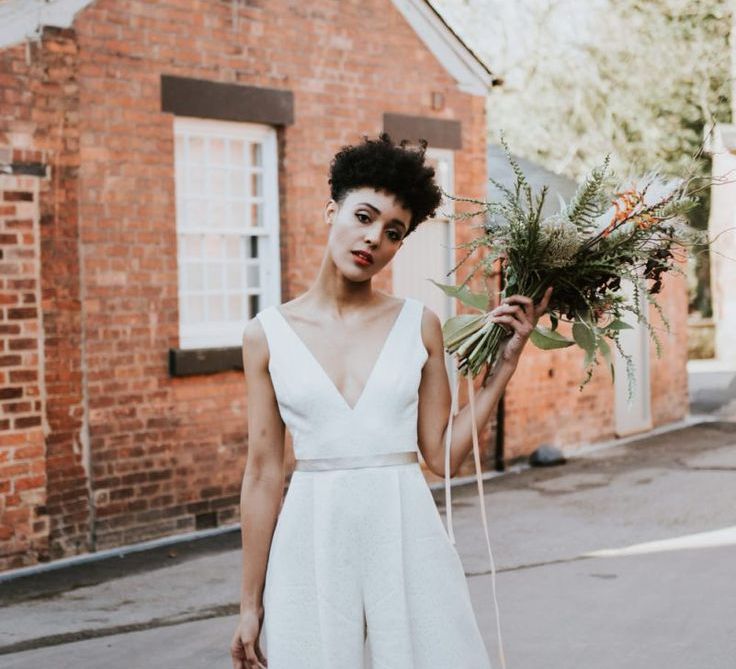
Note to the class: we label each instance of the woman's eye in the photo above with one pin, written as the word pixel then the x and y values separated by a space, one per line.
pixel 393 235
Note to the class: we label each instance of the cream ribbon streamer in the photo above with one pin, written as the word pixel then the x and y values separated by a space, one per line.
pixel 479 479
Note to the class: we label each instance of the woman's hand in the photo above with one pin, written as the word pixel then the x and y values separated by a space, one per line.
pixel 522 315
pixel 245 650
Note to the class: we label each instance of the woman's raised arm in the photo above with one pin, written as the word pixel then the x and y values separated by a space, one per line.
pixel 520 315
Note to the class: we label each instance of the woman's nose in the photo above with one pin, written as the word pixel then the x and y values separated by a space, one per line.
pixel 372 234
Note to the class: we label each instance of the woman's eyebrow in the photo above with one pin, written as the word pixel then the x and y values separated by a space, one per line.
pixel 378 211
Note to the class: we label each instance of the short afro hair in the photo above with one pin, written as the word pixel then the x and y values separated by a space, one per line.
pixel 384 166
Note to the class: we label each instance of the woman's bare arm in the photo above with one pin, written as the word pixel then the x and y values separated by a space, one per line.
pixel 521 315
pixel 263 480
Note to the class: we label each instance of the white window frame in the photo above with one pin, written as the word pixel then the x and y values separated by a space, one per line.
pixel 210 332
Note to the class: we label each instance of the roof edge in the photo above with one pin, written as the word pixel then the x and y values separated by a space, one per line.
pixel 461 62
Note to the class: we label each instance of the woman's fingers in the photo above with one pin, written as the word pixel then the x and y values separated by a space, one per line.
pixel 520 311
pixel 237 652
pixel 523 327
pixel 246 655
pixel 251 660
pixel 259 653
pixel 511 309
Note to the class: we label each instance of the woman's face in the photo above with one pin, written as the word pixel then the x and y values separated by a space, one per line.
pixel 369 221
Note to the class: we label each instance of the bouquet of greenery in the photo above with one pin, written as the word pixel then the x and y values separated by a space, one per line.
pixel 605 234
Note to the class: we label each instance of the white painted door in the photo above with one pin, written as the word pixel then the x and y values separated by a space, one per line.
pixel 635 416
pixel 428 251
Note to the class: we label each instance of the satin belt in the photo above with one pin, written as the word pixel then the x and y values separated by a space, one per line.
pixel 356 461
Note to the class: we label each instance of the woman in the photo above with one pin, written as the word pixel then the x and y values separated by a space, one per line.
pixel 355 568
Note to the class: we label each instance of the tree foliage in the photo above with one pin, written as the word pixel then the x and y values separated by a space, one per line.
pixel 639 79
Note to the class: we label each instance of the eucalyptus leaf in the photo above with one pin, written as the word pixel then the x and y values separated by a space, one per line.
pixel 619 325
pixel 605 349
pixel 477 301
pixel 584 337
pixel 585 316
pixel 547 339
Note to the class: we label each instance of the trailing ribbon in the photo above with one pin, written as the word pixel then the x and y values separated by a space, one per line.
pixel 479 479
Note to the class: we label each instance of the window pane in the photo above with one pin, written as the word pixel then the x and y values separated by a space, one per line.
pixel 234 276
pixel 238 184
pixel 193 308
pixel 195 180
pixel 196 151
pixel 236 151
pixel 193 274
pixel 214 276
pixel 191 246
pixel 237 214
pixel 213 246
pixel 256 184
pixel 218 182
pixel 217 151
pixel 256 214
pixel 235 307
pixel 254 276
pixel 220 211
pixel 253 247
pixel 216 307
pixel 232 247
pixel 256 157
pixel 253 305
pixel 196 213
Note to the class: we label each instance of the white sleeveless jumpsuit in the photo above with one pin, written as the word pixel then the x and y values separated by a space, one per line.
pixel 361 573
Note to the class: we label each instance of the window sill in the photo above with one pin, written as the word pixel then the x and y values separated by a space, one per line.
pixel 195 361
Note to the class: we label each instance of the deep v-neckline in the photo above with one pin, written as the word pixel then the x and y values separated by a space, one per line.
pixel 327 377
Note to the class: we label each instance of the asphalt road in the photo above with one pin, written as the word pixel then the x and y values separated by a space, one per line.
pixel 664 596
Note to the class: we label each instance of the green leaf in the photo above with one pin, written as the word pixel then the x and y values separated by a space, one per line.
pixel 619 325
pixel 554 320
pixel 477 301
pixel 605 349
pixel 585 316
pixel 584 337
pixel 547 339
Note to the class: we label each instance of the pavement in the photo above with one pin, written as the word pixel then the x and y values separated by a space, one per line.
pixel 623 556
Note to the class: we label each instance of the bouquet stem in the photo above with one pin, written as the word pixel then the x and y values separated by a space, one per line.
pixel 482 347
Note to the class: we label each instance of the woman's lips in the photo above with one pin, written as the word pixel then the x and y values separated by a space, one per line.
pixel 361 259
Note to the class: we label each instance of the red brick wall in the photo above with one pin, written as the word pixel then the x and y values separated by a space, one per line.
pixel 23 513
pixel 39 125
pixel 544 404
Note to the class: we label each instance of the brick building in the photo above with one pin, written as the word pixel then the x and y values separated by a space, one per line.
pixel 163 167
